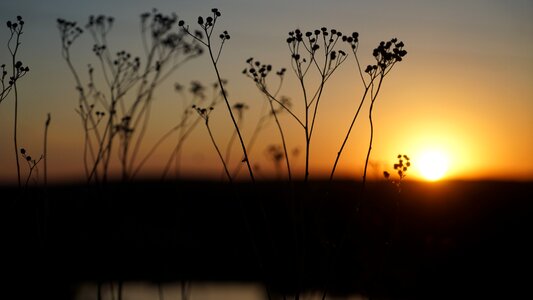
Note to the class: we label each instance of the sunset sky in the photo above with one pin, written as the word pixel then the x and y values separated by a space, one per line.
pixel 465 88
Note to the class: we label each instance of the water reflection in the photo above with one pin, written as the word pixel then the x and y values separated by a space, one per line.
pixel 189 291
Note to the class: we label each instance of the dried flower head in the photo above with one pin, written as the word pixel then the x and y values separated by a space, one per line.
pixel 401 168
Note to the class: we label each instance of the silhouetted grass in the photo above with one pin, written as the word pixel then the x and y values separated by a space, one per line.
pixel 204 37
pixel 204 114
pixel 258 72
pixel 18 70
pixel 120 111
pixel 45 148
pixel 115 101
pixel 333 237
pixel 185 126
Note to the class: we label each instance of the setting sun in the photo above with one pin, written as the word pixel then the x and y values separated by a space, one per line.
pixel 433 164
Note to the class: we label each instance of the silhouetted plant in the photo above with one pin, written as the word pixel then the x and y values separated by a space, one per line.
pixel 305 53
pixel 267 114
pixel 18 70
pixel 318 51
pixel 32 163
pixel 45 147
pixel 197 91
pixel 259 72
pixel 204 114
pixel 110 121
pixel 123 120
pixel 401 169
pixel 239 107
pixel 276 153
pixel 387 54
pixel 185 125
pixel 6 87
pixel 312 50
pixel 204 36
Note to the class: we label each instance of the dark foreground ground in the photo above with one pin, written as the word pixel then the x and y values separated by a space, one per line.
pixel 446 240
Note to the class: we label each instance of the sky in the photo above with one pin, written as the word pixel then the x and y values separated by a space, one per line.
pixel 463 90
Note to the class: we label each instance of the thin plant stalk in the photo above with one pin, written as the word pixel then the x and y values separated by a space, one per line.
pixel 17 71
pixel 32 164
pixel 308 44
pixel 208 27
pixel 374 96
pixel 271 99
pixel 278 124
pixel 218 150
pixel 230 142
pixel 283 142
pixel 46 125
pixel 15 143
pixel 185 128
pixel 339 153
pixel 261 123
pixel 153 149
pixel 259 72
pixel 69 32
pixel 235 124
pixel 204 114
pixel 127 120
pixel 31 171
pixel 239 107
pixel 386 55
pixel 177 149
pixel 230 145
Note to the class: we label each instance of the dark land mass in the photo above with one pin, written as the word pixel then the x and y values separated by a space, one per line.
pixel 439 240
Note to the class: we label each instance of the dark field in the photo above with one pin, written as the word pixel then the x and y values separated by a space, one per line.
pixel 441 240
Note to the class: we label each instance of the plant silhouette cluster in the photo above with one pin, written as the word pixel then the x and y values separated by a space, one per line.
pixel 204 37
pixel 109 120
pixel 259 72
pixel 116 94
pixel 116 115
pixel 401 168
pixel 18 70
pixel 186 122
pixel 32 163
pixel 318 51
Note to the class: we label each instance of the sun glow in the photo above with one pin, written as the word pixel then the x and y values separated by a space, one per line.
pixel 432 164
